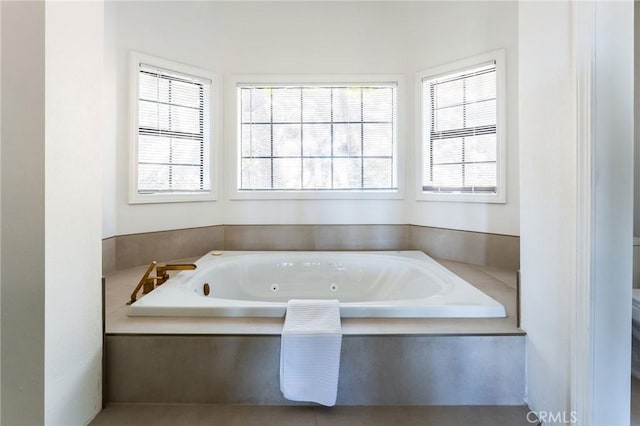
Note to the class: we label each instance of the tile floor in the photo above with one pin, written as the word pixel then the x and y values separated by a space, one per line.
pixel 248 415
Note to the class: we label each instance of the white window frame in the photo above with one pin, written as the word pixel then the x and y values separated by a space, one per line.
pixel 233 147
pixel 499 57
pixel 136 198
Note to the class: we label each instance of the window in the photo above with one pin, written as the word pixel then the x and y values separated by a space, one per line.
pixel 462 131
pixel 331 138
pixel 172 132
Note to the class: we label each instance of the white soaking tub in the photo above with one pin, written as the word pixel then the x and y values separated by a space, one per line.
pixel 367 284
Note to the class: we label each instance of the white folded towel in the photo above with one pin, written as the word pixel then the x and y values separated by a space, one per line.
pixel 310 351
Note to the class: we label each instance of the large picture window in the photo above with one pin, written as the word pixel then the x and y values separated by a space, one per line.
pixel 461 131
pixel 317 137
pixel 172 132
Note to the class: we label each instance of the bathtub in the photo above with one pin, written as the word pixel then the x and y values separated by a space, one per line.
pixel 367 284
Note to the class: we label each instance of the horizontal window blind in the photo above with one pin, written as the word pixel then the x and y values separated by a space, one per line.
pixel 317 137
pixel 460 136
pixel 173 132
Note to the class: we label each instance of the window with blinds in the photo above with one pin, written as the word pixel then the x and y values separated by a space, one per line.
pixel 173 131
pixel 321 137
pixel 460 131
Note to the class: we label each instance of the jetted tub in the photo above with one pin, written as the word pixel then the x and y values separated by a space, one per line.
pixel 367 284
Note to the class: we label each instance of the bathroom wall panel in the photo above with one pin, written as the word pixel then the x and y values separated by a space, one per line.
pixel 316 237
pixel 139 249
pixel 374 370
pixel 108 255
pixel 500 251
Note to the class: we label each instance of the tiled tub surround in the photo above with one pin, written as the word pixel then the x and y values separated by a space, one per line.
pixel 125 251
pixel 374 370
pixel 385 361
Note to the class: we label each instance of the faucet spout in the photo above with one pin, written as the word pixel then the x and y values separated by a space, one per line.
pixel 161 270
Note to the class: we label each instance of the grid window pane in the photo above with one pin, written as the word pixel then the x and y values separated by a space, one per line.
pixel 347 173
pixel 186 151
pixel 256 140
pixel 480 175
pixel 376 137
pixel 287 140
pixel 347 139
pixel 318 137
pixel 153 149
pixel 447 176
pixel 377 172
pixel 185 94
pixel 447 151
pixel 256 173
pixel 286 173
pixel 448 118
pixel 377 104
pixel 173 131
pixel 481 87
pixel 317 173
pixel 286 105
pixel 185 177
pixel 481 113
pixel 480 148
pixel 153 177
pixel 460 151
pixel 347 103
pixel 448 94
pixel 148 114
pixel 260 105
pixel 316 104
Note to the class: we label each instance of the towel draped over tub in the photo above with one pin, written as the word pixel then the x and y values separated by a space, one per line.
pixel 310 351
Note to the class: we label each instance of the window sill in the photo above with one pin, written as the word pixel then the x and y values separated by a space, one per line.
pixel 315 195
pixel 170 198
pixel 498 198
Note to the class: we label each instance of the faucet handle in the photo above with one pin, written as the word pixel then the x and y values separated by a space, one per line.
pixel 145 282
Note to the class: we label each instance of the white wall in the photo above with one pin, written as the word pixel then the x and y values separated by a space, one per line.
pixel 613 211
pixel 445 32
pixel 310 38
pixel 73 171
pixel 50 239
pixel 576 218
pixel 109 164
pixel 547 198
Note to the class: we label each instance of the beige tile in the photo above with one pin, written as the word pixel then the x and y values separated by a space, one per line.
pixel 502 251
pixel 361 237
pixel 374 370
pixel 268 237
pixel 140 249
pixel 108 255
